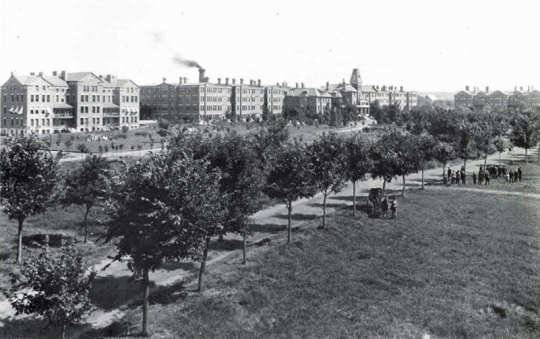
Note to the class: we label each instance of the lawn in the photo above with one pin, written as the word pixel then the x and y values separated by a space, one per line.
pixel 448 266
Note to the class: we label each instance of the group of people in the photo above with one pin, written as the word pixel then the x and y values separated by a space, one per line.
pixel 389 204
pixel 484 176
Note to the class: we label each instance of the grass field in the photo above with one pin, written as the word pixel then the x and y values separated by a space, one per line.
pixel 455 264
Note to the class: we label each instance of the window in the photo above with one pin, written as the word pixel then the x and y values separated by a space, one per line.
pixel 82 120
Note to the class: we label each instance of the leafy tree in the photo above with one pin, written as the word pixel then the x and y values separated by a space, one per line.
pixel 125 129
pixel 328 162
pixel 83 148
pixel 290 178
pixel 167 208
pixel 28 175
pixel 376 112
pixel 444 152
pixel 87 186
pixel 423 150
pixel 466 138
pixel 100 149
pixel 56 288
pixel 68 143
pixel 485 135
pixel 526 130
pixel 358 162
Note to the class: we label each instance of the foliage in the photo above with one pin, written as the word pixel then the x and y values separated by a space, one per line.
pixel 328 162
pixel 83 148
pixel 56 288
pixel 526 129
pixel 87 186
pixel 376 111
pixel 290 178
pixel 358 161
pixel 28 175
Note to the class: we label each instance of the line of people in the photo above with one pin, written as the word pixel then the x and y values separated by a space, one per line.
pixel 484 176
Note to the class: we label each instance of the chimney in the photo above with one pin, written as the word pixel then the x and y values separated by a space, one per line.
pixel 40 74
pixel 259 82
pixel 164 80
pixel 206 79
pixel 515 88
pixel 101 76
pixel 401 88
pixel 467 88
pixel 296 85
pixel 284 84
pixel 201 75
pixel 63 75
pixel 277 84
pixel 54 73
pixel 302 85
pixel 180 81
pixel 32 73
pixel 185 80
pixel 327 86
pixel 241 81
pixel 219 81
pixel 521 88
pixel 487 89
pixel 233 81
pixel 528 88
pixel 108 77
pixel 226 81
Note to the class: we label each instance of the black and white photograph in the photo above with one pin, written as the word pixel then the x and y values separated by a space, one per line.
pixel 270 169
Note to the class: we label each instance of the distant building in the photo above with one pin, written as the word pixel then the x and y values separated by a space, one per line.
pixel 67 102
pixel 314 100
pixel 390 95
pixel 497 99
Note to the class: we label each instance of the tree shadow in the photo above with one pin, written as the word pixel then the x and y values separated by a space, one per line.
pixel 328 205
pixel 179 265
pixel 297 216
pixel 36 327
pixel 226 244
pixel 38 240
pixel 359 197
pixel 268 228
pixel 110 292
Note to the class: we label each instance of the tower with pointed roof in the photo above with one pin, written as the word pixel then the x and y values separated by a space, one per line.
pixel 356 79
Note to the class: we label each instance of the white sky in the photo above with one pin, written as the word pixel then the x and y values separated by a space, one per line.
pixel 421 45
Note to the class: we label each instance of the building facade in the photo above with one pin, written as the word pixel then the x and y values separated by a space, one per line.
pixel 67 102
pixel 478 99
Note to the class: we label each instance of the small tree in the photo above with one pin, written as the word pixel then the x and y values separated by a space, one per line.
pixel 125 129
pixel 54 287
pixel 87 186
pixel 358 162
pixel 526 130
pixel 444 152
pixel 290 178
pixel 68 143
pixel 386 160
pixel 28 175
pixel 328 162
pixel 423 151
pixel 83 148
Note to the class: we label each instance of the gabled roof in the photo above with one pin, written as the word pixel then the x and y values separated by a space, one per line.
pixel 465 92
pixel 55 81
pixel 498 91
pixel 123 82
pixel 368 88
pixel 431 97
pixel 80 76
pixel 342 87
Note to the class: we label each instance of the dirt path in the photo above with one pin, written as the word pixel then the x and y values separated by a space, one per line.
pixel 470 189
pixel 269 223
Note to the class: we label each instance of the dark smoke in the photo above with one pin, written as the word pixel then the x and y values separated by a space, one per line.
pixel 158 38
pixel 184 62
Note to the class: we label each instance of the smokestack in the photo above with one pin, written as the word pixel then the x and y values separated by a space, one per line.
pixel 185 80
pixel 277 84
pixel 241 81
pixel 201 75
pixel 515 88
pixel 259 82
pixel 54 73
pixel 284 84
pixel 528 88
pixel 226 81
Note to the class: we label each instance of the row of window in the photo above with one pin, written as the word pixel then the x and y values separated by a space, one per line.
pixel 97 98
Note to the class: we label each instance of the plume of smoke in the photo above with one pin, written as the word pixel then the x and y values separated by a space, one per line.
pixel 177 58
pixel 185 62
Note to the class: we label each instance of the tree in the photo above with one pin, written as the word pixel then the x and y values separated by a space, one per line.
pixel 376 112
pixel 358 162
pixel 328 163
pixel 166 208
pixel 444 152
pixel 56 288
pixel 68 143
pixel 125 129
pixel 83 148
pixel 28 175
pixel 290 178
pixel 526 130
pixel 87 186
pixel 423 148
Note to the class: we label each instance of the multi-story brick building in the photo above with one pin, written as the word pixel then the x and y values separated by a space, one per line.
pixel 390 95
pixel 497 99
pixel 274 97
pixel 68 102
pixel 313 100
pixel 159 99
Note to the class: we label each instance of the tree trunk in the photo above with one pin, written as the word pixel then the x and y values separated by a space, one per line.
pixel 88 207
pixel 146 293
pixel 19 245
pixel 539 153
pixel 499 158
pixel 485 160
pixel 63 331
pixel 383 185
pixel 422 177
pixel 354 198
pixel 403 189
pixel 244 235
pixel 203 265
pixel 289 209
pixel 324 211
pixel 526 156
pixel 465 164
pixel 444 168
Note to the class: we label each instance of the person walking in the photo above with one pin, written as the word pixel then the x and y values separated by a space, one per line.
pixel 506 179
pixel 393 208
pixel 384 207
pixel 487 179
pixel 474 178
pixel 511 174
pixel 519 173
pixel 516 174
pixel 463 177
pixel 449 172
pixel 453 177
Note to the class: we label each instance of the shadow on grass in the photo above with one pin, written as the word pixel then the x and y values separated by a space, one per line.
pixel 226 245
pixel 178 265
pixel 112 292
pixel 38 240
pixel 268 228
pixel 328 205
pixel 297 216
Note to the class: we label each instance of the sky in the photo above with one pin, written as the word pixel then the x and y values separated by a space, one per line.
pixel 420 45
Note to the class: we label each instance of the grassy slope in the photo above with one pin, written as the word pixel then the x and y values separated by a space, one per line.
pixel 454 265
